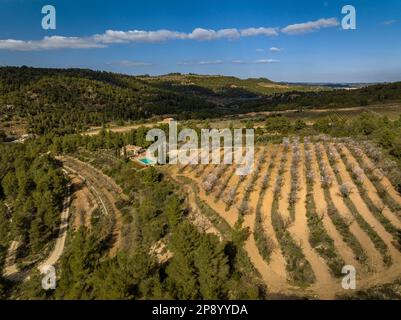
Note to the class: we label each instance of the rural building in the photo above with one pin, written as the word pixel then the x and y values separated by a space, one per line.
pixel 131 151
pixel 167 120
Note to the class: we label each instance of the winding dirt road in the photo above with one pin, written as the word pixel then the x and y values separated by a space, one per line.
pixel 12 271
pixel 63 229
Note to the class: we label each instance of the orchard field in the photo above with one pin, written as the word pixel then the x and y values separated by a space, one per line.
pixel 310 207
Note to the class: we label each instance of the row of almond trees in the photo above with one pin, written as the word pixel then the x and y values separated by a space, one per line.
pixel 358 177
pixel 295 180
pixel 345 190
pixel 264 242
pixel 341 223
pixel 376 173
pixel 328 176
pixel 244 207
pixel 298 267
pixel 319 238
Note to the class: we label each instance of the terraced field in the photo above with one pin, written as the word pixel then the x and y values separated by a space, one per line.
pixel 104 193
pixel 312 207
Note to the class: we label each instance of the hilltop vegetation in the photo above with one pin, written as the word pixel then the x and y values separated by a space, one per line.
pixel 222 86
pixel 374 94
pixel 66 100
pixel 70 100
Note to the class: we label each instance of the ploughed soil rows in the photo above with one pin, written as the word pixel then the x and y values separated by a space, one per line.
pixel 310 210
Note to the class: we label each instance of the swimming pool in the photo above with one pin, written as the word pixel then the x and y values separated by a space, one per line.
pixel 146 161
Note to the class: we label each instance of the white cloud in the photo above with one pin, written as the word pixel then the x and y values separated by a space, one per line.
pixel 130 63
pixel 206 62
pixel 261 61
pixel 111 36
pixel 306 27
pixel 265 61
pixel 275 49
pixel 114 36
pixel 260 50
pixel 131 36
pixel 50 43
pixel 203 34
pixel 389 22
pixel 184 63
pixel 211 62
pixel 251 32
pixel 200 34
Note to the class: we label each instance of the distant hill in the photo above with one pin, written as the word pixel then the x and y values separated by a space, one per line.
pixel 70 100
pixel 224 86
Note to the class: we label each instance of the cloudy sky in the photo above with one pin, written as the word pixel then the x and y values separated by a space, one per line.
pixel 281 40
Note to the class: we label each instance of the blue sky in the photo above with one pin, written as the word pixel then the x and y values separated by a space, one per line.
pixel 281 40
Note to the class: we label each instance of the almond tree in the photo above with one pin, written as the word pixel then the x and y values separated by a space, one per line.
pixel 209 182
pixel 358 173
pixel 229 197
pixel 243 208
pixel 346 189
pixel 286 143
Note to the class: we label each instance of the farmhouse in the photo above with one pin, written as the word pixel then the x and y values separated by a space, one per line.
pixel 167 121
pixel 131 151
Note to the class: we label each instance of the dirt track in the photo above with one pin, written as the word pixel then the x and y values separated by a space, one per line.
pixel 12 271
pixel 60 241
pixel 105 190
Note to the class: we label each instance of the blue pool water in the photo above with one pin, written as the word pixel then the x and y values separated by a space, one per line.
pixel 146 161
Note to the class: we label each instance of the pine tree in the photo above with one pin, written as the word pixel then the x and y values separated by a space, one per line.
pixel 182 276
pixel 10 185
pixel 4 225
pixel 212 265
pixel 174 211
